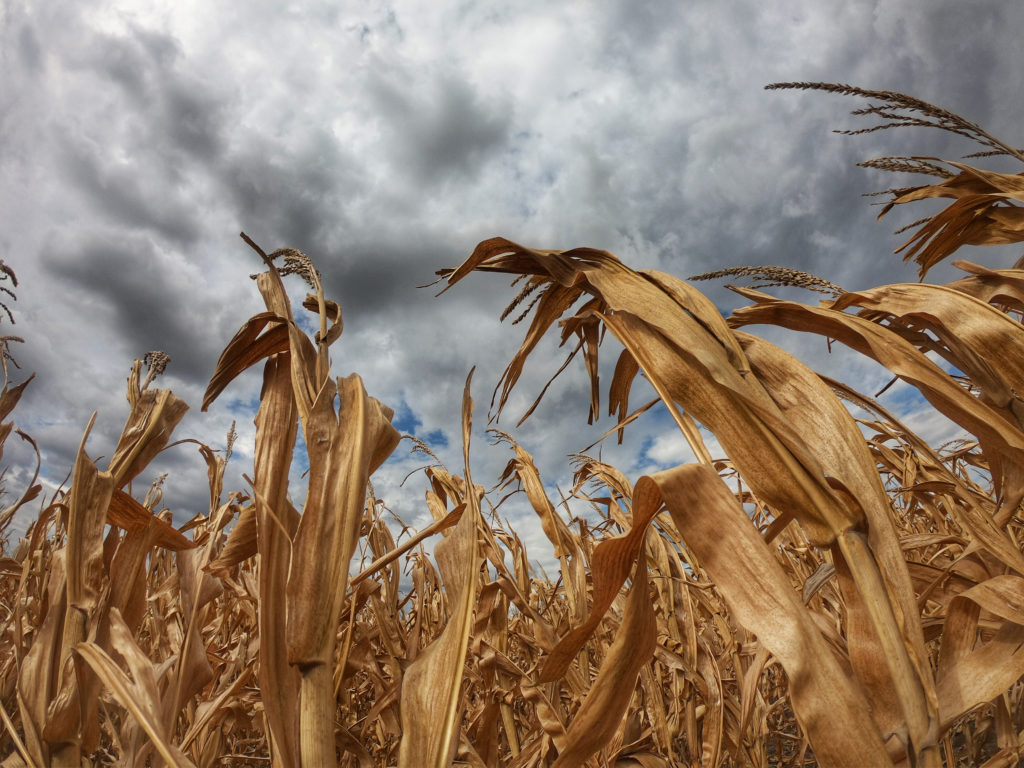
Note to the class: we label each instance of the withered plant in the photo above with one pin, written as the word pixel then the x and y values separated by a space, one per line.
pixel 832 590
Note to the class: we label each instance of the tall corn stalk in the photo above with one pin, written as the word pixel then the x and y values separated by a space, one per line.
pixel 344 447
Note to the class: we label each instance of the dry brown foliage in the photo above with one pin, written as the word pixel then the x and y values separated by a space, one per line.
pixel 832 591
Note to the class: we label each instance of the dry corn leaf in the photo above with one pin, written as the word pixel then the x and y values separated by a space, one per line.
pixel 90 495
pixel 192 669
pixel 240 546
pixel 87 507
pixel 761 597
pixel 981 674
pixel 982 341
pixel 610 564
pixel 768 453
pixel 982 214
pixel 446 522
pixel 1002 439
pixel 888 614
pixel 523 467
pixel 344 450
pixel 38 675
pixel 138 693
pixel 332 311
pixel 605 706
pixel 688 358
pixel 975 220
pixel 276 430
pixel 999 595
pixel 246 349
pixel 993 286
pixel 750 692
pixel 712 730
pixel 10 396
pixel 152 419
pixel 32 488
pixel 431 685
pixel 125 512
pixel 224 700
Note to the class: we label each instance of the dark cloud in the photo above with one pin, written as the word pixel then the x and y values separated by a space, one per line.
pixel 136 61
pixel 29 50
pixel 123 193
pixel 438 128
pixel 292 196
pixel 139 292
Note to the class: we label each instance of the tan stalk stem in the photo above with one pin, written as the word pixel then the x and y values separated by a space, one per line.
pixel 317 708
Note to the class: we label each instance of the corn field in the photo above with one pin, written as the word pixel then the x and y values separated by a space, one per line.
pixel 832 590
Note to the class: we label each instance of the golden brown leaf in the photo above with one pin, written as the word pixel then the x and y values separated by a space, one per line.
pixel 431 684
pixel 246 349
pixel 138 693
pixel 605 706
pixel 760 595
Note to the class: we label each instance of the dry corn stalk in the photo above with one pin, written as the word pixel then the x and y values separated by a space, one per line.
pixel 343 448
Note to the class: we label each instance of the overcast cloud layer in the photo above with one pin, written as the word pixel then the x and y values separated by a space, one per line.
pixel 386 140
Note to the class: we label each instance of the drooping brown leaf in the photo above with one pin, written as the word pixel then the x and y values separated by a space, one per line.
pixel 690 358
pixel 982 674
pixel 40 669
pixel 554 527
pixel 10 396
pixel 888 614
pixel 276 521
pixel 1003 439
pixel 344 450
pixel 125 512
pixel 993 286
pixel 431 685
pixel 241 544
pixel 605 706
pixel 246 349
pixel 763 600
pixel 87 509
pixel 982 213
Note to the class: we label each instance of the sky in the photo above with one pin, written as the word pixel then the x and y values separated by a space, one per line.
pixel 385 140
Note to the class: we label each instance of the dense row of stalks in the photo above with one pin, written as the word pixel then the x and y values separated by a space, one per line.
pixel 832 590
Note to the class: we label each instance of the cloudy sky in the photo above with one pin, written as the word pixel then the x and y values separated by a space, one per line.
pixel 386 139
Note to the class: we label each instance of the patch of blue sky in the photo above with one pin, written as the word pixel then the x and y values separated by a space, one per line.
pixel 646 446
pixel 665 446
pixel 244 408
pixel 901 398
pixel 407 422
pixel 436 438
pixel 307 321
